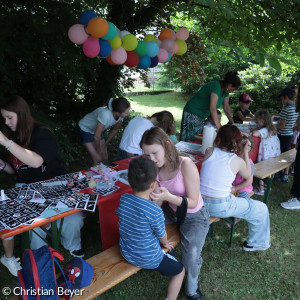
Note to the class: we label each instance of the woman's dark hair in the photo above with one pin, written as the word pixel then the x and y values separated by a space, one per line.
pixel 120 105
pixel 229 138
pixel 141 173
pixel 156 135
pixel 25 122
pixel 231 77
pixel 165 121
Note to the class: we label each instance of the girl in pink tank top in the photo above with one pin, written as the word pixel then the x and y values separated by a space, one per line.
pixel 179 182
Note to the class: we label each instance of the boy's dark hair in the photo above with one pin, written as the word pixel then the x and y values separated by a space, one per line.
pixel 120 104
pixel 141 173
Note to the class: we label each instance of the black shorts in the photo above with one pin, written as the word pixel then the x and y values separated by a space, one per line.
pixel 169 266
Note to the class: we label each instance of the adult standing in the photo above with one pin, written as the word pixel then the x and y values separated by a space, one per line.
pixel 294 203
pixel 219 169
pixel 92 125
pixel 205 102
pixel 178 178
pixel 32 154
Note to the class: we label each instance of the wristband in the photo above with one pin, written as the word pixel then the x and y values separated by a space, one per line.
pixel 9 145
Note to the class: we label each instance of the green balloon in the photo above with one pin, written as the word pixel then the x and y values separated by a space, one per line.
pixel 112 32
pixel 141 48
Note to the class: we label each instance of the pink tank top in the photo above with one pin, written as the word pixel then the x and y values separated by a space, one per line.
pixel 176 187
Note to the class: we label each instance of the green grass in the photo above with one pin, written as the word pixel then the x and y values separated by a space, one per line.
pixel 227 273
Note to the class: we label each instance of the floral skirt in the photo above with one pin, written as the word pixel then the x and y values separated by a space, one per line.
pixel 191 125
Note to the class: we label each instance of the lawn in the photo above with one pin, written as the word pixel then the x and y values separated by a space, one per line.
pixel 227 273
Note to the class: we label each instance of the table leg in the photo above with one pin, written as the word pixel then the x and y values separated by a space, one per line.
pixel 267 192
pixel 25 242
pixel 55 235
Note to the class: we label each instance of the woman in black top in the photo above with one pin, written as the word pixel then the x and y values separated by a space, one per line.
pixel 32 154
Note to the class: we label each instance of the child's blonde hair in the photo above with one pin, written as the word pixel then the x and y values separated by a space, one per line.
pixel 265 117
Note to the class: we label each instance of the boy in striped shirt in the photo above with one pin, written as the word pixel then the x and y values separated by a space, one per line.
pixel 142 227
pixel 287 117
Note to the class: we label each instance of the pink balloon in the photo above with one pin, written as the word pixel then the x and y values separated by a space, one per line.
pixel 118 56
pixel 91 47
pixel 162 55
pixel 174 49
pixel 77 34
pixel 182 34
pixel 167 44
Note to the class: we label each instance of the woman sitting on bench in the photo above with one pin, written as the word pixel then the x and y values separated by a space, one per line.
pixel 220 166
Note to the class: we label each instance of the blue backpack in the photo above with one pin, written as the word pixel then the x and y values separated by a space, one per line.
pixel 37 279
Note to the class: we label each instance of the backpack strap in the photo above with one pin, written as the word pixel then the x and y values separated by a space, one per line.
pixel 22 284
pixel 34 272
pixel 64 297
pixel 56 254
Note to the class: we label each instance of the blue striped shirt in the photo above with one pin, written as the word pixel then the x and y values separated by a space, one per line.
pixel 290 116
pixel 141 223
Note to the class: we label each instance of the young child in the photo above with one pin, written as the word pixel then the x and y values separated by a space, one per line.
pixel 269 145
pixel 244 186
pixel 288 117
pixel 142 227
pixel 210 121
pixel 242 112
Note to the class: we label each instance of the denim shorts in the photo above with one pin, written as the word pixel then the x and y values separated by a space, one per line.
pixel 86 137
pixel 169 266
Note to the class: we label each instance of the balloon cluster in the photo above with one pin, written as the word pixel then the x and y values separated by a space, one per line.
pixel 103 39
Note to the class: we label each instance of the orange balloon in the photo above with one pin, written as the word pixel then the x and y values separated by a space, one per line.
pixel 97 27
pixel 165 34
pixel 108 58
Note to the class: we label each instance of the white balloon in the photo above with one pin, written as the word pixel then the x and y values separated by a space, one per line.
pixel 124 32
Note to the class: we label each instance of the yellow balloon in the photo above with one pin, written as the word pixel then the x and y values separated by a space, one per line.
pixel 150 38
pixel 182 47
pixel 129 42
pixel 116 42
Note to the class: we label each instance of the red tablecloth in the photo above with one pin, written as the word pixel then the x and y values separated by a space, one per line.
pixel 107 205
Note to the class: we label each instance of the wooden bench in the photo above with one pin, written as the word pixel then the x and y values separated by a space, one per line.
pixel 265 170
pixel 111 268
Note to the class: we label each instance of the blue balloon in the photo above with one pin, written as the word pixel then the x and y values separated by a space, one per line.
pixel 144 62
pixel 105 48
pixel 153 49
pixel 86 16
pixel 154 61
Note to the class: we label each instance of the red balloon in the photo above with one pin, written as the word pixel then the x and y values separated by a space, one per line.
pixel 108 58
pixel 132 59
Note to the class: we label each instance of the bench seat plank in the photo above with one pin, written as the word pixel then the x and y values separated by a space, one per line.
pixel 110 268
pixel 273 165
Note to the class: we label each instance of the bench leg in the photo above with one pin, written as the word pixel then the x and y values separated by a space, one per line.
pixel 267 192
pixel 232 231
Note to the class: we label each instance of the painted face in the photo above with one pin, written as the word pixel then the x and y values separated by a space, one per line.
pixel 156 153
pixel 125 113
pixel 10 118
pixel 245 105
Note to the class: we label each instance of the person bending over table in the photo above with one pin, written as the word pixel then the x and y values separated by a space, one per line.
pixel 33 155
pixel 131 138
pixel 178 178
pixel 92 125
pixel 219 168
pixel 205 102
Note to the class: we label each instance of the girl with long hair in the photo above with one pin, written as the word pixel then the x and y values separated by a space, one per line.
pixel 32 154
pixel 269 145
pixel 179 186
pixel 220 166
